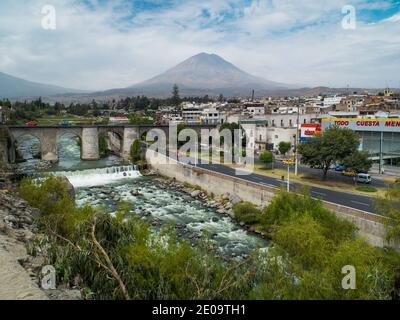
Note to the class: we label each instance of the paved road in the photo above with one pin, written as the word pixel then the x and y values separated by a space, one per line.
pixel 346 199
pixel 332 175
pixel 355 201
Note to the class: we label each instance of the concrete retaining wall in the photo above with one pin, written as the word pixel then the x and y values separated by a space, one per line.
pixel 369 225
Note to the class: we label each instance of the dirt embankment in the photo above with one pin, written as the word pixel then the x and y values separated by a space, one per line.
pixel 16 231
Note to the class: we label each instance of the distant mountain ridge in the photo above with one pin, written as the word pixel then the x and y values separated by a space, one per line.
pixel 209 72
pixel 13 87
pixel 199 75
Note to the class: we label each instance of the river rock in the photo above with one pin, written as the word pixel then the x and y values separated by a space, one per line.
pixel 11 219
pixel 234 199
pixel 135 192
pixel 195 193
pixel 228 206
pixel 70 188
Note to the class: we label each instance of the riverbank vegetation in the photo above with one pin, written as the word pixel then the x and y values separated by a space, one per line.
pixel 122 257
pixel 103 147
pixel 135 152
pixel 316 245
pixel 389 206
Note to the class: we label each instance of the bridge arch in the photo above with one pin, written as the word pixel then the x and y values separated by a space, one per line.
pixel 69 144
pixel 27 146
pixel 114 138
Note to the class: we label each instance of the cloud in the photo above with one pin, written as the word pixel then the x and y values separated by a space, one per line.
pixel 105 44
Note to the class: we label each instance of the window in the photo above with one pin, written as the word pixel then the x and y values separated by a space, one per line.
pixel 282 123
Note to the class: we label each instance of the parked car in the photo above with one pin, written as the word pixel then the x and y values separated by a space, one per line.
pixel 32 123
pixel 349 173
pixel 340 168
pixel 364 178
pixel 65 124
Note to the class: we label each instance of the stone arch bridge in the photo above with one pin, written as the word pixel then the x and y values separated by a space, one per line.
pixel 88 134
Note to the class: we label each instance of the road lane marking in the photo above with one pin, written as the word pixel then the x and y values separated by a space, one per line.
pixel 319 193
pixel 268 185
pixel 361 203
pixel 258 179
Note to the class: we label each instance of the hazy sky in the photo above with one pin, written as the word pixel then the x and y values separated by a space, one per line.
pixel 100 44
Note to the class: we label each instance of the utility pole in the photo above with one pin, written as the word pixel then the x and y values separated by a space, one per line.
pixel 296 156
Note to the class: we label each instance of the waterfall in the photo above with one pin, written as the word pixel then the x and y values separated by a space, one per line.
pixel 100 176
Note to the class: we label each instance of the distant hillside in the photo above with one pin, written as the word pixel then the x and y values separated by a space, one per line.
pixel 13 87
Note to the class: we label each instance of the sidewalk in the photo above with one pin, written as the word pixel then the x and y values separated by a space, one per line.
pixel 390 173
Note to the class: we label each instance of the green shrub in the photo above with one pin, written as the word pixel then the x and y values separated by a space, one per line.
pixel 59 212
pixel 303 239
pixel 247 212
pixel 103 147
pixel 286 207
pixel 135 152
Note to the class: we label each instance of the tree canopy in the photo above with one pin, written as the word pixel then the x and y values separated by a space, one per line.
pixel 334 145
pixel 176 99
pixel 267 157
pixel 284 147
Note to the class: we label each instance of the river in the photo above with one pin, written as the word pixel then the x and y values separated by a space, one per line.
pixel 108 181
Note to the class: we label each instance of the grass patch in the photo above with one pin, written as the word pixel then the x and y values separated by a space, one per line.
pixel 367 189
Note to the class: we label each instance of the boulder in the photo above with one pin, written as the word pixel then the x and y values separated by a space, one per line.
pixel 135 192
pixel 70 188
pixel 195 193
pixel 234 199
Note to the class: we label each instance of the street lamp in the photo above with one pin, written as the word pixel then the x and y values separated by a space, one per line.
pixel 288 178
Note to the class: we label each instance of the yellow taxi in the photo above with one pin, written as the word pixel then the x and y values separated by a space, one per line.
pixel 288 162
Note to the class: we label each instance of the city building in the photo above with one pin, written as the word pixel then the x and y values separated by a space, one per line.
pixel 263 137
pixel 331 101
pixel 192 115
pixel 212 116
pixel 380 137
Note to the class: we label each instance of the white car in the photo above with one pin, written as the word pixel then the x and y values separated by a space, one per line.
pixel 364 178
